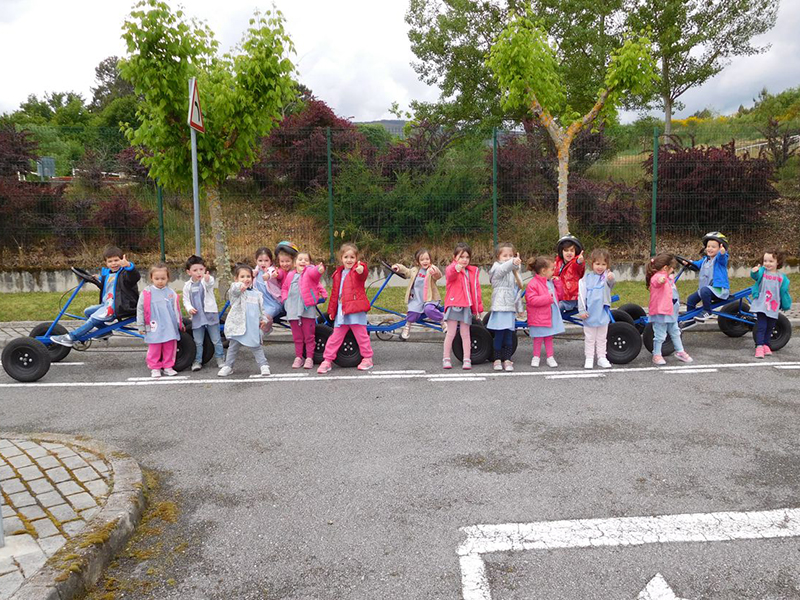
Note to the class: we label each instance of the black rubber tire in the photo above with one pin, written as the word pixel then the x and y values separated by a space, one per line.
pixel 26 359
pixel 636 312
pixel 623 343
pixel 321 335
pixel 482 345
pixel 731 328
pixel 781 333
pixel 349 354
pixel 514 339
pixel 208 348
pixel 57 351
pixel 667 347
pixel 621 316
pixel 184 357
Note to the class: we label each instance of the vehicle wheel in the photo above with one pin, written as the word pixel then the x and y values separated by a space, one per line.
pixel 482 345
pixel 730 327
pixel 321 335
pixel 648 337
pixel 514 343
pixel 26 359
pixel 781 333
pixel 349 354
pixel 57 351
pixel 184 357
pixel 208 347
pixel 622 316
pixel 623 343
pixel 385 336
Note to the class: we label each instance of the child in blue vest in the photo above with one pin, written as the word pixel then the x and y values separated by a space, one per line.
pixel 200 303
pixel 770 295
pixel 158 319
pixel 594 307
pixel 713 277
pixel 119 294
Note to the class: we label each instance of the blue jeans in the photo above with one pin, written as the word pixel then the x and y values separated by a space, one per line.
pixel 199 334
pixel 704 294
pixel 89 325
pixel 764 327
pixel 660 331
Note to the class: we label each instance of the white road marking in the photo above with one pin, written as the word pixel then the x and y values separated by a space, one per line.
pixel 689 370
pixel 174 377
pixel 372 377
pixel 787 366
pixel 282 375
pixel 408 372
pixel 465 378
pixel 576 376
pixel 621 531
pixel 67 364
pixel 658 589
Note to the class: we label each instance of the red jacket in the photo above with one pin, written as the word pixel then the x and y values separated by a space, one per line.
pixel 457 293
pixel 570 276
pixel 354 297
pixel 539 300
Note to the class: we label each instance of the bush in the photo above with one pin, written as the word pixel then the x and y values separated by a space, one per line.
pixel 604 208
pixel 124 222
pixel 711 188
pixel 27 210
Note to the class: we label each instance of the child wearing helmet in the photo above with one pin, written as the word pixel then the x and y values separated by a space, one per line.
pixel 569 269
pixel 713 281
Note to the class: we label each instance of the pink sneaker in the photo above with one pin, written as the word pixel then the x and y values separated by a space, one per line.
pixel 683 357
pixel 309 363
pixel 658 360
pixel 767 350
pixel 298 362
pixel 759 351
pixel 365 365
pixel 446 363
pixel 324 367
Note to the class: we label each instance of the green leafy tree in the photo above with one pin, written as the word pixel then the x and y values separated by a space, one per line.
pixel 109 84
pixel 694 40
pixel 529 75
pixel 242 94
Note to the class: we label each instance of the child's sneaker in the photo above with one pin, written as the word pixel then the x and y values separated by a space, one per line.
pixel 225 371
pixel 767 350
pixel 196 366
pixel 467 365
pixel 220 361
pixel 298 362
pixel 498 365
pixel 603 363
pixel 759 351
pixel 170 372
pixel 365 365
pixel 62 340
pixel 508 365
pixel 683 357
pixel 405 332
pixel 551 362
pixel 535 361
pixel 447 363
pixel 309 363
pixel 658 360
pixel 324 367
pixel 589 362
pixel 265 372
pixel 155 373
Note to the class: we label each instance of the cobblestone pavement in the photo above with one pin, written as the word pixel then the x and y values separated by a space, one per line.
pixel 49 492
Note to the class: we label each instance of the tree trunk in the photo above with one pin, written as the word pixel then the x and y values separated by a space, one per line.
pixel 563 186
pixel 222 257
pixel 667 115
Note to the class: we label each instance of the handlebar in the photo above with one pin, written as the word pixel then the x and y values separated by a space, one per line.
pixel 386 265
pixel 687 264
pixel 86 276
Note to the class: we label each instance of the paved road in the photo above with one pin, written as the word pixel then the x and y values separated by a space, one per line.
pixel 357 486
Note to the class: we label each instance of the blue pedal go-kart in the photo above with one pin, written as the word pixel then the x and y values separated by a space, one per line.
pixel 29 358
pixel 733 317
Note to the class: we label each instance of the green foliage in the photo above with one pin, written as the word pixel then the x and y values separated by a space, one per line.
pixel 632 70
pixel 376 134
pixel 241 93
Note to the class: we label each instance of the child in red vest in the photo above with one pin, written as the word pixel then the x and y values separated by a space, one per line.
pixel 569 269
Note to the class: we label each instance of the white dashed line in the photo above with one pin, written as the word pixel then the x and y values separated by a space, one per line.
pixel 67 364
pixel 282 375
pixel 787 366
pixel 173 378
pixel 576 376
pixel 409 372
pixel 689 371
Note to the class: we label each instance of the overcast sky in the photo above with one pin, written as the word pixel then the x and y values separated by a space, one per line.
pixel 354 54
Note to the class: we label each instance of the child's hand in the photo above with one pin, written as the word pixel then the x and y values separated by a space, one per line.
pixel 517 260
pixel 360 268
pixel 610 276
pixel 662 280
pixel 207 276
pixel 125 262
pixel 583 315
pixel 580 260
pixel 395 267
pixel 722 249
pixel 756 268
pixel 459 267
pixel 263 325
pixel 321 268
pixel 142 332
pixel 192 311
pixel 434 270
pixel 266 276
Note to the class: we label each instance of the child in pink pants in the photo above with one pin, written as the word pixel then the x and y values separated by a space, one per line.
pixel 158 318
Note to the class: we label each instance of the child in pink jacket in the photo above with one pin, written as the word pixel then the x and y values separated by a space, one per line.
pixel 301 291
pixel 544 316
pixel 664 306
pixel 462 301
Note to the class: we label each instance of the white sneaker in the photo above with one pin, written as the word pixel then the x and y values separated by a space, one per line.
pixel 508 365
pixel 498 365
pixel 405 332
pixel 265 372
pixel 196 366
pixel 220 362
pixel 225 371
pixel 535 361
pixel 603 363
pixel 589 363
pixel 170 372
pixel 155 373
pixel 551 362
pixel 62 340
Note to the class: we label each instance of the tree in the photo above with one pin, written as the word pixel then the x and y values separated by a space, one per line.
pixel 527 71
pixel 110 85
pixel 694 39
pixel 17 151
pixel 242 94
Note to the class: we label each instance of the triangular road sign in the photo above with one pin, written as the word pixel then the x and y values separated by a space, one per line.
pixel 195 113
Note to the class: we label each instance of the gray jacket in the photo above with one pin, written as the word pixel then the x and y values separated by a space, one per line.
pixel 235 323
pixel 506 290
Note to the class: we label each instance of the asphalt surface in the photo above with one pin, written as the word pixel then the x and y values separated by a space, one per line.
pixel 357 485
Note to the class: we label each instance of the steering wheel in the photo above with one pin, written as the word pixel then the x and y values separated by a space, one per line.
pixel 86 276
pixel 386 265
pixel 687 264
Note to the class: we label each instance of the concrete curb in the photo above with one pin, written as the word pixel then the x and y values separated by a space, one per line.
pixel 81 561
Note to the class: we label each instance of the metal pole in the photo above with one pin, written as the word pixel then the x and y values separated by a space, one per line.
pixel 160 195
pixel 494 184
pixel 655 194
pixel 196 191
pixel 330 193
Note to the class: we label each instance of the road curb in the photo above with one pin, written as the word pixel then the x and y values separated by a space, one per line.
pixel 77 565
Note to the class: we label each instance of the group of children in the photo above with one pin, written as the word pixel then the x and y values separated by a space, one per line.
pixel 292 289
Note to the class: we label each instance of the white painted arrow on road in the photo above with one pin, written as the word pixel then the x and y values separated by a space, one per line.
pixel 658 589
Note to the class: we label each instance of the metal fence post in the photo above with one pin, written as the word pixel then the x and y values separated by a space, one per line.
pixel 330 193
pixel 160 195
pixel 494 184
pixel 655 194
